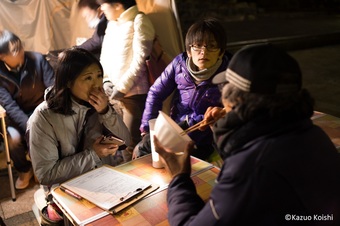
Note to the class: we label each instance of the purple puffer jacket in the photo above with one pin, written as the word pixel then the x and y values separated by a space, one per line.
pixel 190 100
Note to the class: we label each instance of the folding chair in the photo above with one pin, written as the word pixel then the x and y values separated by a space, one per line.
pixel 8 159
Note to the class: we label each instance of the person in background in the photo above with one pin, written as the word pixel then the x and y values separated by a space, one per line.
pixel 189 76
pixel 279 168
pixel 90 11
pixel 24 76
pixel 65 131
pixel 94 17
pixel 127 44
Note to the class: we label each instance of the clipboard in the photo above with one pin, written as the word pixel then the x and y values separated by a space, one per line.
pixel 89 211
pixel 133 199
pixel 107 187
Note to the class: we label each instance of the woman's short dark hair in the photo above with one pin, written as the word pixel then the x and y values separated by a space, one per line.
pixel 205 29
pixel 126 3
pixel 9 43
pixel 295 105
pixel 71 62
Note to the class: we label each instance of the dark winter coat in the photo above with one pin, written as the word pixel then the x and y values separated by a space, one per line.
pixel 94 44
pixel 20 98
pixel 289 176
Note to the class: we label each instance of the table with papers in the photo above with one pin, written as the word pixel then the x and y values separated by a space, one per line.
pixel 150 210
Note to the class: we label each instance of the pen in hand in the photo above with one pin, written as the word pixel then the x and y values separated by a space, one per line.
pixel 71 193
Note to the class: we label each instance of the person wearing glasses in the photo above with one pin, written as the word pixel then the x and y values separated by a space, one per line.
pixel 189 76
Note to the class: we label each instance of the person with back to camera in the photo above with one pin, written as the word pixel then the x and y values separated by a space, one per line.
pixel 65 130
pixel 127 44
pixel 24 75
pixel 90 11
pixel 189 75
pixel 279 168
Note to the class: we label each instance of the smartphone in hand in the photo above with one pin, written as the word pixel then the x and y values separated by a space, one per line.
pixel 112 140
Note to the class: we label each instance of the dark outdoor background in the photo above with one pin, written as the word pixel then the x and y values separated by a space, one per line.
pixel 308 29
pixel 249 10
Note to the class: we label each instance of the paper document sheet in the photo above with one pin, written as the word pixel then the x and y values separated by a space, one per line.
pixel 106 187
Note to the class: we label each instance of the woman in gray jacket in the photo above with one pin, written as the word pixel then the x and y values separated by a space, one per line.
pixel 66 129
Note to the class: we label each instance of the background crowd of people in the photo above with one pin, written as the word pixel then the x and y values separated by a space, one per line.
pixel 121 43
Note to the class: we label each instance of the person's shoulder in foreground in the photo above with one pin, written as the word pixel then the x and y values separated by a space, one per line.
pixel 279 168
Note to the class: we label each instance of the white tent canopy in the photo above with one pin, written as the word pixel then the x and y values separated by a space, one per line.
pixel 45 25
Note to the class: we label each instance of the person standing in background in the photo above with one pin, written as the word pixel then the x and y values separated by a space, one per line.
pixel 127 44
pixel 24 76
pixel 95 19
pixel 90 11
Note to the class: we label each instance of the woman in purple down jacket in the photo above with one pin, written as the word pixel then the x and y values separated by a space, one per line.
pixel 189 76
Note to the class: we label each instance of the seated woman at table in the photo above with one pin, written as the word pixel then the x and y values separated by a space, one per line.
pixel 65 131
pixel 279 168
